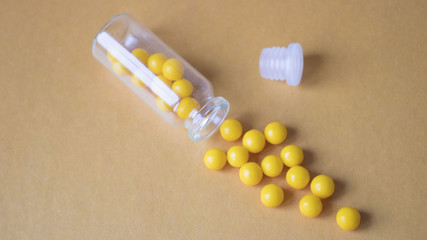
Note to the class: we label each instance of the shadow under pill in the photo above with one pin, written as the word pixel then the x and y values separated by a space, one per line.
pixel 365 220
pixel 292 135
pixel 308 158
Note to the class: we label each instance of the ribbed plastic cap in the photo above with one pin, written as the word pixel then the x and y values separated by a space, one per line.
pixel 281 63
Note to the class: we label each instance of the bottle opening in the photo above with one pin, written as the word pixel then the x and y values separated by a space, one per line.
pixel 203 123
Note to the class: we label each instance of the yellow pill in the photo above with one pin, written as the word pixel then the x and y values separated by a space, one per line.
pixel 250 173
pixel 165 80
pixel 272 195
pixel 173 69
pixel 231 130
pixel 348 218
pixel 182 87
pixel 237 156
pixel 215 159
pixel 272 166
pixel 111 58
pixel 297 177
pixel 155 62
pixel 119 69
pixel 137 82
pixel 185 107
pixel 322 186
pixel 254 141
pixel 141 55
pixel 275 133
pixel 292 155
pixel 162 105
pixel 310 206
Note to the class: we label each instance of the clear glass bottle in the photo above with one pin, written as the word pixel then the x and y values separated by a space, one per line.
pixel 159 76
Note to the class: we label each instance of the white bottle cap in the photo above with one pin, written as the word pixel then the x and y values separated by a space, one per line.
pixel 281 63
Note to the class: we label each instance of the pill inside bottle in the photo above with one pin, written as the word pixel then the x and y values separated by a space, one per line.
pixel 159 76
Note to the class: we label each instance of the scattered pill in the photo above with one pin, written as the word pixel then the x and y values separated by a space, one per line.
pixel 275 133
pixel 183 88
pixel 254 141
pixel 141 55
pixel 155 62
pixel 250 173
pixel 297 177
pixel 310 206
pixel 162 105
pixel 348 218
pixel 173 69
pixel 231 130
pixel 215 159
pixel 292 155
pixel 272 166
pixel 237 156
pixel 185 107
pixel 322 186
pixel 272 195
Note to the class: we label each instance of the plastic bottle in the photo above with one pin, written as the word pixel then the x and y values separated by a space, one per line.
pixel 201 113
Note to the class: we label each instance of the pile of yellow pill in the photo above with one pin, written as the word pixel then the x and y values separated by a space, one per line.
pixel 170 71
pixel 291 156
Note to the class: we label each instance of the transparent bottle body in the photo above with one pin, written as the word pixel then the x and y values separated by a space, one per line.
pixel 114 44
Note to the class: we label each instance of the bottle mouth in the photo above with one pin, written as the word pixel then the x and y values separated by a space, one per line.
pixel 202 123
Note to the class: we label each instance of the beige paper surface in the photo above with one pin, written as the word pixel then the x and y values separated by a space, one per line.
pixel 81 157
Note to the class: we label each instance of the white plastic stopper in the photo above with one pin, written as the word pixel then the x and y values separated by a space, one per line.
pixel 281 63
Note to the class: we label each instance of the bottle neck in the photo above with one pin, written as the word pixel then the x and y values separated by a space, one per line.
pixel 202 123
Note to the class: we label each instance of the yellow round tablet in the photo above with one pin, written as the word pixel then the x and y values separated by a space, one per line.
pixel 272 166
pixel 185 107
pixel 254 141
pixel 155 62
pixel 348 218
pixel 141 55
pixel 215 159
pixel 162 105
pixel 182 87
pixel 119 69
pixel 165 80
pixel 111 58
pixel 237 156
pixel 275 133
pixel 322 186
pixel 297 177
pixel 272 195
pixel 292 155
pixel 310 206
pixel 137 82
pixel 231 130
pixel 250 173
pixel 173 69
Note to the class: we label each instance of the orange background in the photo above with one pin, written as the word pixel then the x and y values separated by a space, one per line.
pixel 81 157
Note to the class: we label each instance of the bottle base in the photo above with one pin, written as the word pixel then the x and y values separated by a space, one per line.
pixel 203 123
